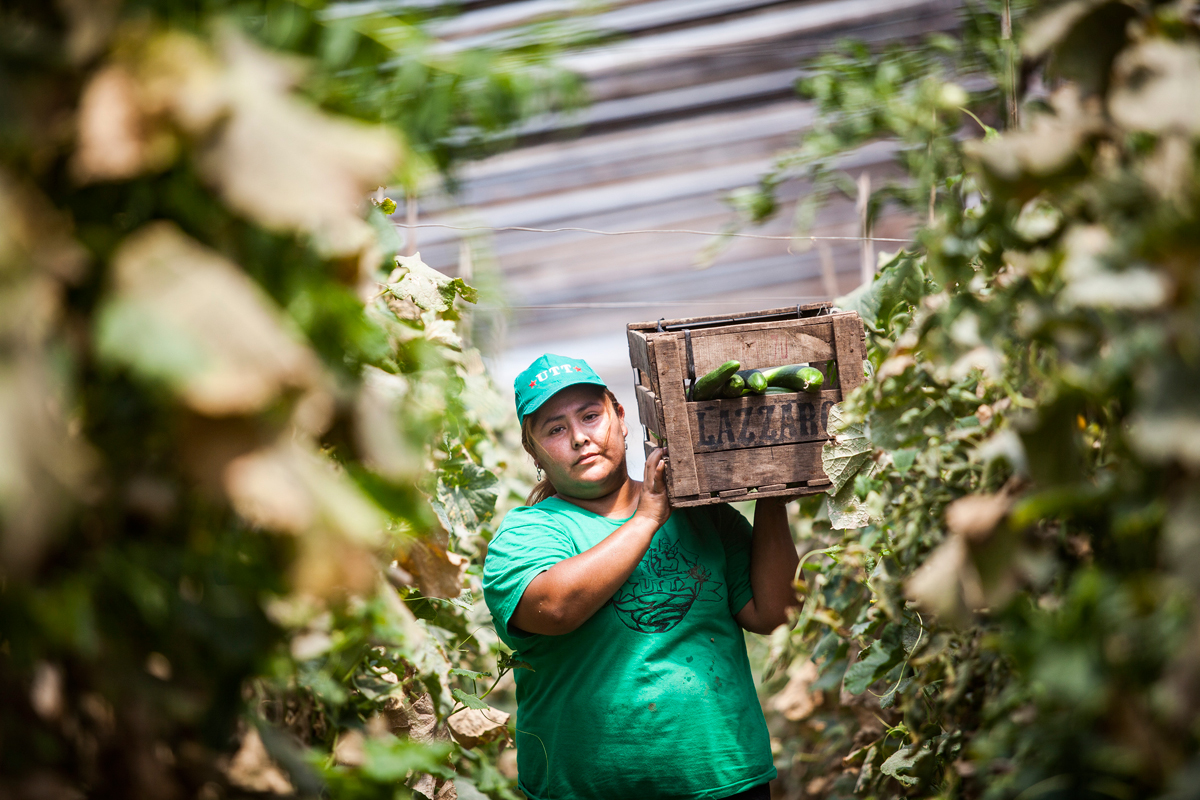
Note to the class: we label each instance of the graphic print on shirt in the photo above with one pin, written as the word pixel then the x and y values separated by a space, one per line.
pixel 663 588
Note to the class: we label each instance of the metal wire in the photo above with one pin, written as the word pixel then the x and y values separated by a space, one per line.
pixel 653 230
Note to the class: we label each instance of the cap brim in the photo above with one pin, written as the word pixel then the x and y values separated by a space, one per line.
pixel 542 400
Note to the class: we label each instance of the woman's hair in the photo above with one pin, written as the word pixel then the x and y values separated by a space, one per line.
pixel 544 487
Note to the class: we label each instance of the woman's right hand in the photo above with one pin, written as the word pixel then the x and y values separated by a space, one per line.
pixel 653 502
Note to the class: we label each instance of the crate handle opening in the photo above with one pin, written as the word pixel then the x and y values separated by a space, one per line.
pixel 691 363
pixel 710 323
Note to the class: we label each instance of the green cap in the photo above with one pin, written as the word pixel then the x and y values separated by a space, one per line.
pixel 547 376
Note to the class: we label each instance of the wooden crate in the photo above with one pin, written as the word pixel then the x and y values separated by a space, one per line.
pixel 748 447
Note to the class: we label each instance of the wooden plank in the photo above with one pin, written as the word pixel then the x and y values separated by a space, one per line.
pixel 565 165
pixel 848 343
pixel 681 462
pixel 653 375
pixel 775 344
pixel 812 309
pixel 649 409
pixel 713 499
pixel 761 466
pixel 817 20
pixel 639 356
pixel 749 422
pixel 733 493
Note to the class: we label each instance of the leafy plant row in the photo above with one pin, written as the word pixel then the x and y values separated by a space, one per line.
pixel 247 460
pixel 1002 597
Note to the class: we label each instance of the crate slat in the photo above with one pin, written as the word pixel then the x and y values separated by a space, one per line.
pixel 639 355
pixel 848 336
pixel 681 462
pixel 734 469
pixel 749 422
pixel 649 409
pixel 806 310
pixel 802 340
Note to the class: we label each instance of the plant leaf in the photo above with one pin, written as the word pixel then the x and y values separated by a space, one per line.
pixel 469 700
pixel 846 453
pixel 883 655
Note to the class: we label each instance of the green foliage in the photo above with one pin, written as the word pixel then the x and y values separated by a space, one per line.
pixel 1005 595
pixel 246 460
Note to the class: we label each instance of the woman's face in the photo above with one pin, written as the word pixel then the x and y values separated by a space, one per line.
pixel 579 440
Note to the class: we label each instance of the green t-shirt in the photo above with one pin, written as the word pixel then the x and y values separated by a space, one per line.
pixel 652 697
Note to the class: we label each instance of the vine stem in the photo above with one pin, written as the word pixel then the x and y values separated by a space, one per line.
pixel 837 548
pixel 907 658
pixel 1010 71
pixel 802 619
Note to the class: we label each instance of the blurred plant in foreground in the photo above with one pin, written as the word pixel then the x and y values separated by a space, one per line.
pixel 245 458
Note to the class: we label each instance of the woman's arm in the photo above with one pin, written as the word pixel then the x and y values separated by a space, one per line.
pixel 773 562
pixel 565 596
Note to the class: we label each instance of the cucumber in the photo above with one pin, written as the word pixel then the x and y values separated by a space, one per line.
pixel 756 381
pixel 734 387
pixel 813 379
pixel 797 377
pixel 710 385
pixel 779 390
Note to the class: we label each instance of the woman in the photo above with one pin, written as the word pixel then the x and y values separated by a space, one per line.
pixel 630 614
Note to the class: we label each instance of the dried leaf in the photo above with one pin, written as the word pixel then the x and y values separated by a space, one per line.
pixel 1085 36
pixel 253 770
pixel 975 517
pixel 180 77
pixel 287 165
pixel 182 314
pixel 1151 81
pixel 1165 437
pixel 349 749
pixel 117 138
pixel 935 585
pixel 46 690
pixel 91 25
pixel 1091 283
pixel 474 727
pixel 846 453
pixel 894 366
pixel 1049 29
pixel 1169 168
pixel 432 788
pixel 42 466
pixel 439 572
pixel 271 155
pixel 35 238
pixel 1051 143
pixel 414 718
pixel 796 701
pixel 379 433
pixel 290 488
